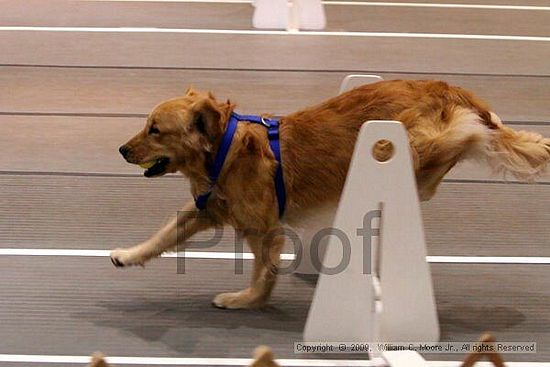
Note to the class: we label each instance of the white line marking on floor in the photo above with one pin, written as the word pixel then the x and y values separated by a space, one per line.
pixel 176 1
pixel 165 361
pixel 488 259
pixel 248 256
pixel 447 6
pixel 367 3
pixel 485 37
pixel 31 358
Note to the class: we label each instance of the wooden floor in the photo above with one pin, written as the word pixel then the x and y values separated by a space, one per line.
pixel 70 97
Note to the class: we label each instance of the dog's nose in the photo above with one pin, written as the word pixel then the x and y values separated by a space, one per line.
pixel 124 150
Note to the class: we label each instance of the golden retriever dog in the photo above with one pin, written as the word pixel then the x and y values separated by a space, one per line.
pixel 445 125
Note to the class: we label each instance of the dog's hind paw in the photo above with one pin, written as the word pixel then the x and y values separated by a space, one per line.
pixel 124 257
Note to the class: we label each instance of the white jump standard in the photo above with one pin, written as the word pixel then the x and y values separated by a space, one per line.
pixel 346 306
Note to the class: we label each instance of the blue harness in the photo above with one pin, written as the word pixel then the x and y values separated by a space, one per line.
pixel 273 135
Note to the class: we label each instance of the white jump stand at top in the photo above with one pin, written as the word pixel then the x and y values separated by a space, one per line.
pixel 291 15
pixel 384 295
pixel 357 80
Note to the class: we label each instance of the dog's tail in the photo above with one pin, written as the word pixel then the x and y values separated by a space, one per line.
pixel 481 135
pixel 524 154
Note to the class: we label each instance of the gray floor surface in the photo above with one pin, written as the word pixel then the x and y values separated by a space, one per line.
pixel 69 99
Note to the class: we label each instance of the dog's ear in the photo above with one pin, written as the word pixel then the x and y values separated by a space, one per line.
pixel 190 91
pixel 207 118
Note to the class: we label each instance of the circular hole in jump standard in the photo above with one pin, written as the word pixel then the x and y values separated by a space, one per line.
pixel 383 150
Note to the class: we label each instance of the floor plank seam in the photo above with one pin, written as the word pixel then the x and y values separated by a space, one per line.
pixel 143 115
pixel 137 175
pixel 118 67
pixel 78 114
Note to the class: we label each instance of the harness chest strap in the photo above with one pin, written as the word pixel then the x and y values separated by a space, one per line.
pixel 272 126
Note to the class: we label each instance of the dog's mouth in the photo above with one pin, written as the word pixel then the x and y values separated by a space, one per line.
pixel 156 167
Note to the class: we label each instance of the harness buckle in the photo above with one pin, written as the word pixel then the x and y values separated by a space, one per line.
pixel 264 122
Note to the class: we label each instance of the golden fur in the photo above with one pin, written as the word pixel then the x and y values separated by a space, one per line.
pixel 445 124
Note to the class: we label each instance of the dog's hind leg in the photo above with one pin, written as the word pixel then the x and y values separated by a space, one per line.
pixel 188 222
pixel 429 180
pixel 267 252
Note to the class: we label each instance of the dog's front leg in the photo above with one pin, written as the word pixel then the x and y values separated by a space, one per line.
pixel 188 222
pixel 267 252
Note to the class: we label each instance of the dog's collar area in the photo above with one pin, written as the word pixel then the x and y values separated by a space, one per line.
pixel 215 169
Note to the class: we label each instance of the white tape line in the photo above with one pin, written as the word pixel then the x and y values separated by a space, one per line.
pixel 35 358
pixel 31 358
pixel 435 5
pixel 364 3
pixel 249 256
pixel 277 33
pixel 487 364
pixel 488 259
pixel 106 253
pixel 175 1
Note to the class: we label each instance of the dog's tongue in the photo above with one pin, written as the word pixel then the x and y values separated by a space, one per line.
pixel 147 165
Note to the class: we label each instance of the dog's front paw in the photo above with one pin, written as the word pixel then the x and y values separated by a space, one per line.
pixel 244 299
pixel 121 257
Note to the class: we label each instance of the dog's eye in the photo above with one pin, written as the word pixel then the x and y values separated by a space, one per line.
pixel 154 130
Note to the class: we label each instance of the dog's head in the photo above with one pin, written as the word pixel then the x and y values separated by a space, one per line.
pixel 179 135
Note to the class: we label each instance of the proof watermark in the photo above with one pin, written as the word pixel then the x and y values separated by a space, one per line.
pixel 420 347
pixel 188 222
